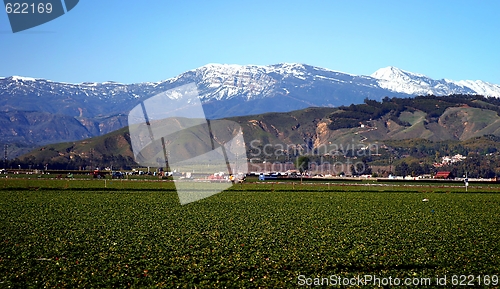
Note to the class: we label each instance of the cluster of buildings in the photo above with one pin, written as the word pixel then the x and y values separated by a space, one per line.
pixel 446 160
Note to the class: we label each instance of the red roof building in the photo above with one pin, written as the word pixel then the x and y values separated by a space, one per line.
pixel 443 175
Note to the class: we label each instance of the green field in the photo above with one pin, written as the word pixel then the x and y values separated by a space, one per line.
pixel 84 234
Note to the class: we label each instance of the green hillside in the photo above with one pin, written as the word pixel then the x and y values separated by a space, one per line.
pixel 472 122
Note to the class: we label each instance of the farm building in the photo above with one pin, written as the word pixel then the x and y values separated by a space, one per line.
pixel 443 175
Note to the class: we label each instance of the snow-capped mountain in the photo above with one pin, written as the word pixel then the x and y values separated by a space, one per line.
pixel 226 90
pixel 397 80
pixel 280 87
pixel 231 90
pixel 30 108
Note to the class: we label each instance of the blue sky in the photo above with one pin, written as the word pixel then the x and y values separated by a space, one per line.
pixel 137 41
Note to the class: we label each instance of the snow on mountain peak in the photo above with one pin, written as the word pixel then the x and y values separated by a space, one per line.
pixel 391 73
pixel 224 81
pixel 480 87
pixel 22 78
pixel 398 80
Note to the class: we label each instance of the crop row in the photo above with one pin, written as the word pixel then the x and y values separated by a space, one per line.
pixel 164 185
pixel 240 239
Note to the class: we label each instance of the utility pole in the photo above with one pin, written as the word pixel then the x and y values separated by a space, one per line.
pixel 466 180
pixel 91 159
pixel 5 157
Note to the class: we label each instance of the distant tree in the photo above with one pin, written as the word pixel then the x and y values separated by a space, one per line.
pixel 427 168
pixel 361 168
pixel 302 163
pixel 415 169
pixel 437 156
pixel 402 169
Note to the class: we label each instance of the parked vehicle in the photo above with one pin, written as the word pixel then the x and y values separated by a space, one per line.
pixel 117 175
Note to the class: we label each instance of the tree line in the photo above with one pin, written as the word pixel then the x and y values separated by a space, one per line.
pixel 391 108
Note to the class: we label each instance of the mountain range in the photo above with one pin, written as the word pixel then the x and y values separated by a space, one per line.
pixel 35 112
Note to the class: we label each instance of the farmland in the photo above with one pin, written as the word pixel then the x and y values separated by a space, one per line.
pixel 119 233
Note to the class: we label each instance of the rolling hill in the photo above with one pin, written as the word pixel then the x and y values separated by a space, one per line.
pixel 457 118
